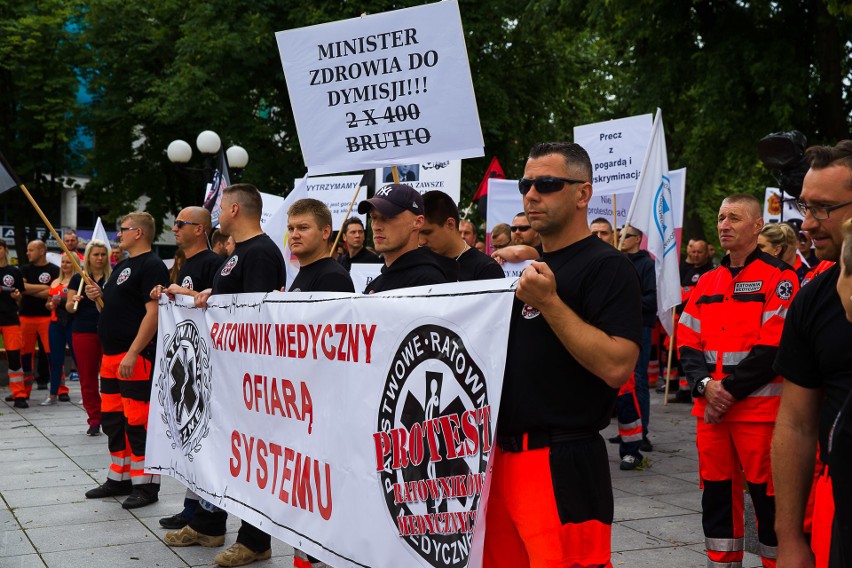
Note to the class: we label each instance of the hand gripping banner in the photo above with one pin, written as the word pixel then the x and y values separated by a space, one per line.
pixel 356 428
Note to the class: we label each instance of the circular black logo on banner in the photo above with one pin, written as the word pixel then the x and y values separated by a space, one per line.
pixel 185 385
pixel 432 441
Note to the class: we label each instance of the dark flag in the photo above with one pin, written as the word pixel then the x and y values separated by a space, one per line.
pixel 480 198
pixel 221 180
pixel 8 179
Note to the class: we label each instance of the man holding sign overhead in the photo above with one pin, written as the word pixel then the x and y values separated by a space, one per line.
pixel 574 340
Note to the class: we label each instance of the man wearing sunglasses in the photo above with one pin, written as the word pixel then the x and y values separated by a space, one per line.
pixel 523 233
pixel 575 333
pixel 815 360
pixel 126 329
pixel 191 227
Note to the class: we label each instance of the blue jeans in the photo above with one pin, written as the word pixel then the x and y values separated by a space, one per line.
pixel 59 336
pixel 641 376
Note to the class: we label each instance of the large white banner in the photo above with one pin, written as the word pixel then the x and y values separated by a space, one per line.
pixel 381 90
pixel 337 193
pixel 357 428
pixel 443 175
pixel 616 148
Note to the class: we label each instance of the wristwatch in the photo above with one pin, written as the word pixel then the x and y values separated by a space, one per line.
pixel 702 385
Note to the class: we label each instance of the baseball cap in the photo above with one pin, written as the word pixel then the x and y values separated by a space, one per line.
pixel 393 199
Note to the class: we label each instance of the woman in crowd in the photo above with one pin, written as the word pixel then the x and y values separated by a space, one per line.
pixel 87 346
pixel 177 264
pixel 779 240
pixel 59 332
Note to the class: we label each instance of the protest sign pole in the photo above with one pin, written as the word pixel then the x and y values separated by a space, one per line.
pixel 56 236
pixel 615 222
pixel 348 211
pixel 669 362
pixel 80 291
pixel 395 173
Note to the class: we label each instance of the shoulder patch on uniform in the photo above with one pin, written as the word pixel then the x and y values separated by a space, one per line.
pixel 784 290
pixel 748 287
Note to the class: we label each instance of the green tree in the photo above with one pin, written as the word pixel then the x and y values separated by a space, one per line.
pixel 38 85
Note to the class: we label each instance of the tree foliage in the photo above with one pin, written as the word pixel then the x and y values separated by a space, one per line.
pixel 724 73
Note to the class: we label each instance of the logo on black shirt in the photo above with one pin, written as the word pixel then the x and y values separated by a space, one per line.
pixel 229 266
pixel 695 278
pixel 8 280
pixel 44 278
pixel 529 312
pixel 187 283
pixel 185 384
pixel 122 278
pixel 432 441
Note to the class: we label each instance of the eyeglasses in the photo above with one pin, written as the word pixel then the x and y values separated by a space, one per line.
pixel 819 212
pixel 179 223
pixel 545 184
pixel 122 229
pixel 520 228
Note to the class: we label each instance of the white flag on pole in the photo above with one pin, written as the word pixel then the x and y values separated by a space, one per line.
pixel 101 234
pixel 652 212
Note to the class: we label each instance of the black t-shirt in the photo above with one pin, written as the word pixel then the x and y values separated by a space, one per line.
pixel 30 305
pixel 11 279
pixel 198 271
pixel 87 315
pixel 418 267
pixel 545 389
pixel 257 265
pixel 364 256
pixel 125 295
pixel 816 352
pixel 689 274
pixel 476 265
pixel 324 275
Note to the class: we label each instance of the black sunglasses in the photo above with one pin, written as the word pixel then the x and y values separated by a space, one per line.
pixel 520 228
pixel 122 229
pixel 179 223
pixel 545 184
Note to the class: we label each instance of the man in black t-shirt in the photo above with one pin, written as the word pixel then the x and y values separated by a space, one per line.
pixel 575 332
pixel 353 236
pixel 256 265
pixel 127 327
pixel 35 317
pixel 11 291
pixel 440 233
pixel 309 230
pixel 191 227
pixel 396 212
pixel 816 362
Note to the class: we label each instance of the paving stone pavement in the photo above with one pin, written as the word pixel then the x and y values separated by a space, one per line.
pixel 47 463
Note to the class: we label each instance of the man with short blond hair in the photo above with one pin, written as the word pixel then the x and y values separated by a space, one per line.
pixel 127 328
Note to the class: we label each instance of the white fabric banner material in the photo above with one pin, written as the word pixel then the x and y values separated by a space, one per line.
pixel 381 90
pixel 364 273
pixel 357 428
pixel 443 175
pixel 616 148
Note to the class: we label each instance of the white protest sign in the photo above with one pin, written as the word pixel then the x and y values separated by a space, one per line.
pixel 514 269
pixel 442 175
pixel 337 193
pixel 616 148
pixel 383 89
pixel 504 202
pixel 363 273
pixel 775 210
pixel 334 423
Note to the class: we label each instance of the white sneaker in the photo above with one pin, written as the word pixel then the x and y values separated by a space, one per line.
pixel 47 402
pixel 80 401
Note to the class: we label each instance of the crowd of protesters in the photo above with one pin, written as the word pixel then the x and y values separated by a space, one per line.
pixel 761 350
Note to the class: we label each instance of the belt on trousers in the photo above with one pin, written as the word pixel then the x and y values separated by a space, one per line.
pixel 538 440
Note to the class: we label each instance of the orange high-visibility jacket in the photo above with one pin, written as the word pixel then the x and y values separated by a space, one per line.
pixel 730 330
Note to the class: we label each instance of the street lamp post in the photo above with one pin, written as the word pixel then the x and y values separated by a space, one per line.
pixel 209 144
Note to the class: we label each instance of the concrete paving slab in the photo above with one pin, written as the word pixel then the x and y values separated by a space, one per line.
pixel 29 454
pixel 652 485
pixel 27 561
pixel 36 497
pixel 47 479
pixel 82 536
pixel 625 538
pixel 632 508
pixel 682 530
pixel 135 555
pixel 15 543
pixel 66 514
pixel 687 500
pixel 658 557
pixel 36 466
